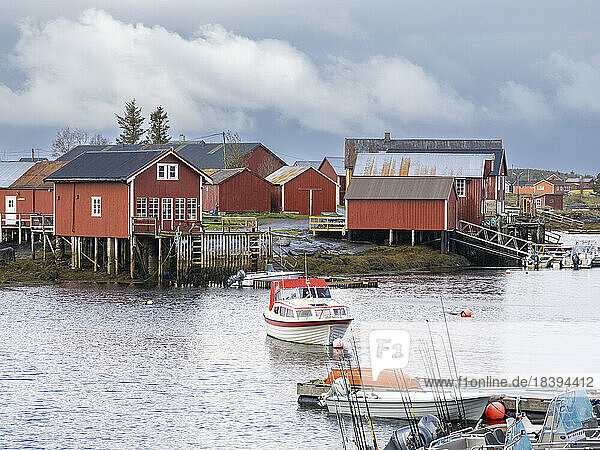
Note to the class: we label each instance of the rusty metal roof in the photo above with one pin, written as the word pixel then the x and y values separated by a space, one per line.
pixel 34 177
pixel 10 171
pixel 421 164
pixel 399 188
pixel 286 173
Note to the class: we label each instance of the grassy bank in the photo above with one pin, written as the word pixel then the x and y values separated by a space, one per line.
pixel 384 260
pixel 38 271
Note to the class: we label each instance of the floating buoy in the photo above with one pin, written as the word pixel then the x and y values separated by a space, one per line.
pixel 508 272
pixel 338 343
pixel 148 302
pixel 465 313
pixel 495 411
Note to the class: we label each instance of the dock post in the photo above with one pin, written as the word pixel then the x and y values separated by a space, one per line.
pixel 95 254
pixel 43 245
pixel 20 234
pixel 109 256
pixel 160 263
pixel 391 237
pixel 412 237
pixel 444 242
pixel 116 254
pixel 79 245
pixel 132 245
pixel 72 252
pixel 32 246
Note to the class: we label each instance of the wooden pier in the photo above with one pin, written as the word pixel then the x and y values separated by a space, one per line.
pixel 327 224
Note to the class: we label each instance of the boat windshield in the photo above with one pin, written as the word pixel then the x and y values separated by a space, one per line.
pixel 565 417
pixel 514 430
pixel 519 442
pixel 286 294
pixel 319 292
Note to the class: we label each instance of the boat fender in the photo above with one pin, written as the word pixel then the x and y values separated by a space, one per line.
pixel 338 343
pixel 495 411
pixel 465 313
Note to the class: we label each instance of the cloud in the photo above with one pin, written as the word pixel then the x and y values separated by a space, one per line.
pixel 578 82
pixel 524 104
pixel 80 72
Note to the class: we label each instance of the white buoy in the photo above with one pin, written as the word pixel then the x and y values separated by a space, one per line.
pixel 338 343
pixel 148 302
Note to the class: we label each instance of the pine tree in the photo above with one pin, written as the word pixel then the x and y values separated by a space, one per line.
pixel 159 127
pixel 131 124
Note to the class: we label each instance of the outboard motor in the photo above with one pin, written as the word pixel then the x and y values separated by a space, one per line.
pixel 237 278
pixel 430 429
pixel 404 439
pixel 575 258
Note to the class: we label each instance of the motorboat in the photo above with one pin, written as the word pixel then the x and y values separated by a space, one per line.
pixel 581 256
pixel 404 404
pixel 301 310
pixel 243 279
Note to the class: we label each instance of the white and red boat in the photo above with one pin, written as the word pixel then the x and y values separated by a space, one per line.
pixel 301 310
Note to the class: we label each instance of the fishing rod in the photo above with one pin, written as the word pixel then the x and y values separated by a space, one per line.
pixel 337 415
pixel 355 425
pixel 362 386
pixel 361 426
pixel 457 397
pixel 453 358
pixel 409 418
pixel 445 413
pixel 439 374
pixel 435 389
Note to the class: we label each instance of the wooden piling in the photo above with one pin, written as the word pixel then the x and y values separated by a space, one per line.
pixel 132 246
pixel 160 261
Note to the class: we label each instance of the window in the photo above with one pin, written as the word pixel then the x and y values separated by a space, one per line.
pixel 192 208
pixel 167 209
pixel 540 188
pixel 141 207
pixel 96 206
pixel 538 202
pixel 303 313
pixel 339 312
pixel 153 208
pixel 461 190
pixel 276 310
pixel 180 209
pixel 167 171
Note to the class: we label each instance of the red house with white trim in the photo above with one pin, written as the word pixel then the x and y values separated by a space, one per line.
pixel 99 193
pixel 237 190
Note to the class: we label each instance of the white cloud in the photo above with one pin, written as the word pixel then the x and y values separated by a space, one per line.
pixel 578 82
pixel 524 104
pixel 80 72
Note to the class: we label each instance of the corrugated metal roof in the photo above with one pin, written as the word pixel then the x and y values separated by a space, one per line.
pixel 337 162
pixel 285 174
pixel 34 177
pixel 576 180
pixel 10 171
pixel 420 164
pixel 104 165
pixel 221 175
pixel 313 164
pixel 399 188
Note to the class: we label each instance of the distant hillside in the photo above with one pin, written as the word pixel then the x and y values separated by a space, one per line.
pixel 536 174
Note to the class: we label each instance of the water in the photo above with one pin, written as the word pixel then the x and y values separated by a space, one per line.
pixel 87 366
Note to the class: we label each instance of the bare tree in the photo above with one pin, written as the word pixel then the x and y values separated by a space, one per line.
pixel 233 151
pixel 98 139
pixel 66 139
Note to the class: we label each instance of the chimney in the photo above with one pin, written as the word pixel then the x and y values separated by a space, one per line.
pixel 32 155
pixel 182 137
pixel 386 136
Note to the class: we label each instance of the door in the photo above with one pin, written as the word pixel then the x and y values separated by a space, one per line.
pixel 167 213
pixel 11 207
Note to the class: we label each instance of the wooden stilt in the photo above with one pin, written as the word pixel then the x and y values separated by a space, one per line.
pixel 20 235
pixel 116 250
pixel 95 254
pixel 160 263
pixel 73 251
pixel 109 256
pixel 132 246
pixel 44 245
pixel 32 246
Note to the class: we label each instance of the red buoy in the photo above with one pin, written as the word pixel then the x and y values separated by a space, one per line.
pixel 465 313
pixel 495 411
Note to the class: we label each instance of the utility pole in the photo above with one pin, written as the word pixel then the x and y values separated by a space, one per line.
pixel 310 195
pixel 32 155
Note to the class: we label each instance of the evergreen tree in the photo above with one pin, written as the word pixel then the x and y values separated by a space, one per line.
pixel 131 124
pixel 159 127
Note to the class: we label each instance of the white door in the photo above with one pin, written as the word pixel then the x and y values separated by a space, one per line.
pixel 11 207
pixel 167 213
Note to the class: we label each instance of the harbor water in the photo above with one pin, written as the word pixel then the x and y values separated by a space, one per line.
pixel 92 366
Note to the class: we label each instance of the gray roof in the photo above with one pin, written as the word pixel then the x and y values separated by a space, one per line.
pixel 221 175
pixel 470 165
pixel 203 155
pixel 313 164
pixel 11 171
pixel 337 162
pixel 104 165
pixel 399 188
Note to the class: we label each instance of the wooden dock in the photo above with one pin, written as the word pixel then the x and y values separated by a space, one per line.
pixel 332 283
pixel 327 224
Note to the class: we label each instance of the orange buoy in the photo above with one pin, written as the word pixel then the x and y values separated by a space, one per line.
pixel 508 272
pixel 495 411
pixel 465 313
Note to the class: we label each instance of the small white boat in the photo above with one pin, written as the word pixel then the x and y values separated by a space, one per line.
pixel 394 405
pixel 301 310
pixel 250 278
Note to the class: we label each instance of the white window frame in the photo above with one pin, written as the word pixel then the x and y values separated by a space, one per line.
pixel 169 171
pixel 538 202
pixel 141 207
pixel 540 187
pixel 463 182
pixel 180 209
pixel 96 206
pixel 154 204
pixel 167 201
pixel 192 209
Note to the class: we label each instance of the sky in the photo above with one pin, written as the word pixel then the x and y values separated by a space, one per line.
pixel 300 76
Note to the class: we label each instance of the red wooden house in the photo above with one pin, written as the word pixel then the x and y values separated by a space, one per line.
pixel 401 203
pixel 304 190
pixel 99 193
pixel 236 190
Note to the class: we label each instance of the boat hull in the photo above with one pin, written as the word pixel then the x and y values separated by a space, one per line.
pixel 307 333
pixel 395 409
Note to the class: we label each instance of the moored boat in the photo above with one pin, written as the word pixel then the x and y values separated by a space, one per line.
pixel 301 310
